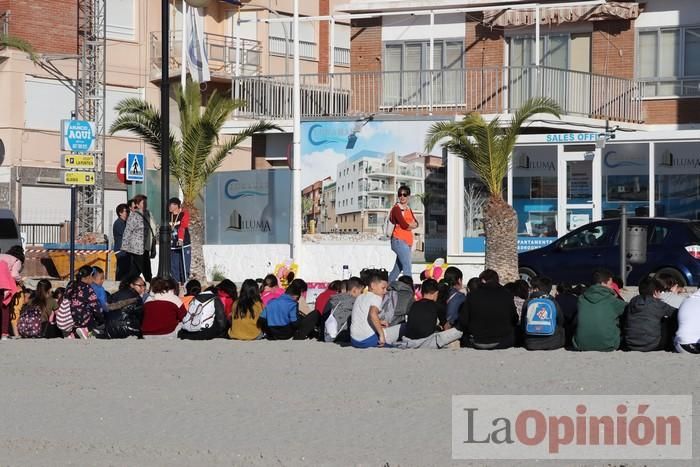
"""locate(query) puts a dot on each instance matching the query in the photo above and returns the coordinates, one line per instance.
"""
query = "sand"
(166, 402)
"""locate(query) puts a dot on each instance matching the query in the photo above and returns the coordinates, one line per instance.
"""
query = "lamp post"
(165, 231)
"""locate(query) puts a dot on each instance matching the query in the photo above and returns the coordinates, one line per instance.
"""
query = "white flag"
(196, 48)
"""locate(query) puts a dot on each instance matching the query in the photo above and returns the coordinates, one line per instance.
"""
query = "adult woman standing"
(404, 222)
(138, 240)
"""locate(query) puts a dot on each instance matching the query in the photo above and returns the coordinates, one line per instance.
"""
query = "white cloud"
(319, 165)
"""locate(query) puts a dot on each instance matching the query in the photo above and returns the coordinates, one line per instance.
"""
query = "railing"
(282, 46)
(671, 87)
(222, 54)
(341, 55)
(38, 234)
(4, 23)
(487, 90)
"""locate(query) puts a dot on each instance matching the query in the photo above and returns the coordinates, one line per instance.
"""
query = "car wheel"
(676, 274)
(527, 274)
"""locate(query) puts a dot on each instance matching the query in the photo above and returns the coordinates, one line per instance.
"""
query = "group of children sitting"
(368, 311)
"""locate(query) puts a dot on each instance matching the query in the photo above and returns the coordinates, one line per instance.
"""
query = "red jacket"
(322, 300)
(161, 317)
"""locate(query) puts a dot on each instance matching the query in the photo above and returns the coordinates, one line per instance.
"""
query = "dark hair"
(519, 288)
(408, 280)
(175, 201)
(131, 203)
(17, 251)
(453, 275)
(121, 208)
(269, 281)
(335, 286)
(140, 197)
(405, 189)
(601, 276)
(228, 287)
(343, 286)
(423, 275)
(297, 288)
(489, 276)
(429, 286)
(193, 287)
(58, 293)
(83, 272)
(542, 284)
(355, 283)
(41, 297)
(370, 276)
(648, 286)
(162, 285)
(473, 284)
(96, 271)
(667, 281)
(249, 296)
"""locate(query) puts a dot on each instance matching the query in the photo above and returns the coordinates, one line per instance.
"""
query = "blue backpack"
(541, 317)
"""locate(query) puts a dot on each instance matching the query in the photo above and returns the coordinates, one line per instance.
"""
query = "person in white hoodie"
(672, 293)
(687, 338)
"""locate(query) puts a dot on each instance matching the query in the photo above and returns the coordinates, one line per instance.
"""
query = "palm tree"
(487, 147)
(196, 152)
(19, 44)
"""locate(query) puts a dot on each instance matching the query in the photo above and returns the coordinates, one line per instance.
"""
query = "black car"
(673, 247)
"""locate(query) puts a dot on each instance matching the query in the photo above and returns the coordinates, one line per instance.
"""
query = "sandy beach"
(166, 402)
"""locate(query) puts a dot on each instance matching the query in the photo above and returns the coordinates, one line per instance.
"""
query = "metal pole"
(623, 245)
(73, 209)
(296, 159)
(237, 34)
(183, 54)
(164, 239)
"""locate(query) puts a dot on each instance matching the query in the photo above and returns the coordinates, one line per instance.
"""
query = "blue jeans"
(403, 259)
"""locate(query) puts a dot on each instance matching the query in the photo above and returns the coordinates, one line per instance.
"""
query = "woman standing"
(139, 239)
(404, 222)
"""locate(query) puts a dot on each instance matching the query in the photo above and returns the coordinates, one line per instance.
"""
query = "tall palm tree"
(19, 44)
(196, 151)
(487, 147)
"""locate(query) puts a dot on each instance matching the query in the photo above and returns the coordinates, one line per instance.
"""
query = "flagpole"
(296, 159)
(185, 45)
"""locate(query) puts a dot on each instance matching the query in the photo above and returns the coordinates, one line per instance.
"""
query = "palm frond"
(19, 44)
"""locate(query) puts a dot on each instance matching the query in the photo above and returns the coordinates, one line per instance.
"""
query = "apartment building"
(35, 97)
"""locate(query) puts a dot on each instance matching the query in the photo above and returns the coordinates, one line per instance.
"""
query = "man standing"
(181, 248)
(118, 234)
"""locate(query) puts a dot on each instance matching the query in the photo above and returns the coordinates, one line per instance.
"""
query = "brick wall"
(672, 111)
(612, 48)
(365, 55)
(485, 55)
(49, 25)
(323, 37)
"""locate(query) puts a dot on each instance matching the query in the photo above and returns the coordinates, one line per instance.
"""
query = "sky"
(323, 143)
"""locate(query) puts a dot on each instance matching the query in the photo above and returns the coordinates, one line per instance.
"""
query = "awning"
(615, 10)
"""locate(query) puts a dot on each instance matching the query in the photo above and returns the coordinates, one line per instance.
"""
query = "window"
(591, 237)
(668, 61)
(120, 19)
(341, 52)
(409, 81)
(281, 38)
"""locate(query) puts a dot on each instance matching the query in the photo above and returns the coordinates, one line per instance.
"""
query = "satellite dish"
(2, 152)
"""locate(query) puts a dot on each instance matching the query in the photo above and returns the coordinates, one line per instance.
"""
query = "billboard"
(248, 207)
(352, 169)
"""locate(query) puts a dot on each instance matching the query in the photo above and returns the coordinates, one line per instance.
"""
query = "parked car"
(673, 247)
(9, 230)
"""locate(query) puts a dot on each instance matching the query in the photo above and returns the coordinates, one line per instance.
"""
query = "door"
(579, 189)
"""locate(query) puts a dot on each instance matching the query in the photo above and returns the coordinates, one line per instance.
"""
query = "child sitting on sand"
(366, 330)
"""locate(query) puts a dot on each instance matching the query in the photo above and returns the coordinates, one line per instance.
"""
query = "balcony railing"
(4, 23)
(282, 46)
(222, 54)
(341, 55)
(38, 234)
(487, 90)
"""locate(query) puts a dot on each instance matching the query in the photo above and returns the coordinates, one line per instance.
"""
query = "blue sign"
(478, 244)
(135, 167)
(571, 138)
(78, 135)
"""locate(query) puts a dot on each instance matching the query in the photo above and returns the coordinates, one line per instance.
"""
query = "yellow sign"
(79, 178)
(78, 161)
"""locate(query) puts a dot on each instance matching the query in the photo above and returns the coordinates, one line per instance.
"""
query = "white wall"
(408, 27)
(669, 13)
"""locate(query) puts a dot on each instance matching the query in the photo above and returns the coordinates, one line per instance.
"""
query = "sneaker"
(82, 333)
(5, 337)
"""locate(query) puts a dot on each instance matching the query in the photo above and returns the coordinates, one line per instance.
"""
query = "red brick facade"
(485, 50)
(49, 25)
(612, 48)
(323, 37)
(680, 111)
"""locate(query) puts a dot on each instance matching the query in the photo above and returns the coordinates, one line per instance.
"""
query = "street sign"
(135, 167)
(78, 178)
(78, 161)
(121, 170)
(77, 135)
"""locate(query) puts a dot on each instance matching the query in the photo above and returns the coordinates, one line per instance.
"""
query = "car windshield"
(8, 229)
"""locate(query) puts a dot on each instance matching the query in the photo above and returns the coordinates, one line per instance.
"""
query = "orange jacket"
(402, 218)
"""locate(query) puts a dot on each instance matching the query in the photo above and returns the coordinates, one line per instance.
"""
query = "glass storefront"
(626, 179)
(678, 180)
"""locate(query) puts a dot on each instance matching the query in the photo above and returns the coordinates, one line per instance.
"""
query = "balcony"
(4, 23)
(221, 52)
(486, 90)
(284, 47)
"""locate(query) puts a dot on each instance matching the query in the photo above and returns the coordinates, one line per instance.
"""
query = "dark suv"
(673, 247)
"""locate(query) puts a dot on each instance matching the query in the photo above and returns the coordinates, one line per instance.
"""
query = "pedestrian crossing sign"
(135, 167)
